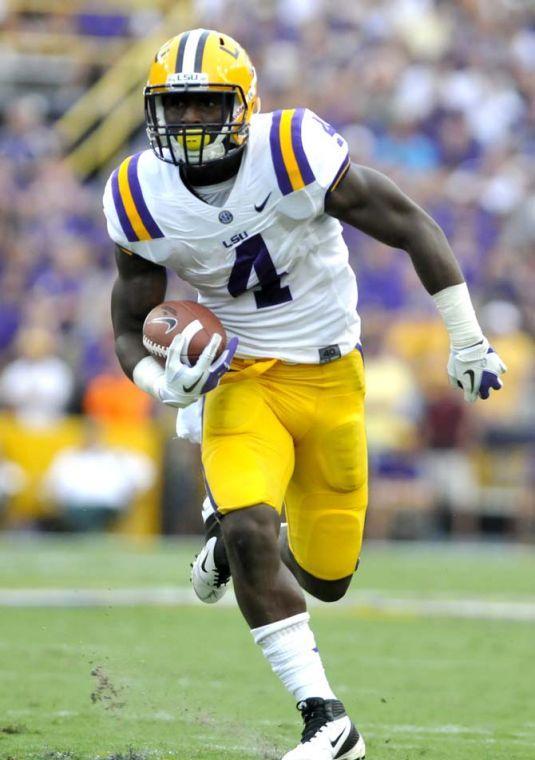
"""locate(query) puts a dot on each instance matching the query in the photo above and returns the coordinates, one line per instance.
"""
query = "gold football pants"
(293, 435)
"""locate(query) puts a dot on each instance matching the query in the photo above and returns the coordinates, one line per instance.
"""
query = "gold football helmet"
(200, 64)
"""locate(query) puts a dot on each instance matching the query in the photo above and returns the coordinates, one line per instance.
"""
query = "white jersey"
(270, 263)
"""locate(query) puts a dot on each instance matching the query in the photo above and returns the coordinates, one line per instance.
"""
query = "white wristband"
(455, 307)
(148, 375)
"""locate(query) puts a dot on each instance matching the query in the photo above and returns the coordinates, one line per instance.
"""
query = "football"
(172, 318)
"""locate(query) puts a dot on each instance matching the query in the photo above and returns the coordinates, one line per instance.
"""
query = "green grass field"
(185, 681)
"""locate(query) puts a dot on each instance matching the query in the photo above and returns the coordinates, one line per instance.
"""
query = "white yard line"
(448, 730)
(363, 603)
(399, 734)
(428, 606)
(378, 731)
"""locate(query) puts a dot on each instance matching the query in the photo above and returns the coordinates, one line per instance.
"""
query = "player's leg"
(248, 460)
(327, 496)
(272, 602)
(325, 508)
(211, 575)
(246, 451)
(324, 590)
(210, 571)
(265, 589)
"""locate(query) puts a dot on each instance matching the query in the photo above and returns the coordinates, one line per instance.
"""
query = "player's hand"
(476, 370)
(181, 384)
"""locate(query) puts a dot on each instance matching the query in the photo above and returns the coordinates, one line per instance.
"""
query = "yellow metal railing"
(44, 36)
(110, 111)
(81, 49)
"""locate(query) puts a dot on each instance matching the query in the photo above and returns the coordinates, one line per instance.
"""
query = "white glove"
(181, 385)
(476, 370)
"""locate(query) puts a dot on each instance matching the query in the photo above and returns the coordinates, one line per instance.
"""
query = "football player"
(246, 207)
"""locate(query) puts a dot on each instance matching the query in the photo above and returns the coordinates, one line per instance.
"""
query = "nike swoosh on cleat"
(188, 389)
(470, 373)
(203, 568)
(334, 742)
(262, 205)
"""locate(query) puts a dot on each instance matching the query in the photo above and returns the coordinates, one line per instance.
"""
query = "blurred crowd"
(438, 94)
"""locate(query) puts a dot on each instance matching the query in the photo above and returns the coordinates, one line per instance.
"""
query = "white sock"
(207, 509)
(290, 648)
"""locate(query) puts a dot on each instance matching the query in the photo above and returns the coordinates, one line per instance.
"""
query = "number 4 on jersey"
(253, 253)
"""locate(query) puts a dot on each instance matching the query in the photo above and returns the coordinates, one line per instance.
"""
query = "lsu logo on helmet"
(204, 64)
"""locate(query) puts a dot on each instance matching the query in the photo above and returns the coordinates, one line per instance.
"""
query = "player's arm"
(371, 202)
(139, 287)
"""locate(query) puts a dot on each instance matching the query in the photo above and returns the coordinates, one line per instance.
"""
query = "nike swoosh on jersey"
(470, 373)
(261, 206)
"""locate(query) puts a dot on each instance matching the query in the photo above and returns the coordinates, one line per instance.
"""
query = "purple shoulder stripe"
(137, 194)
(276, 154)
(121, 211)
(297, 144)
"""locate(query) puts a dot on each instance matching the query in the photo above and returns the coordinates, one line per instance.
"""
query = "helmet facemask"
(199, 143)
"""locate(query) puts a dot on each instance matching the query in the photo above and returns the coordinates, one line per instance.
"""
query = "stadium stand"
(438, 95)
